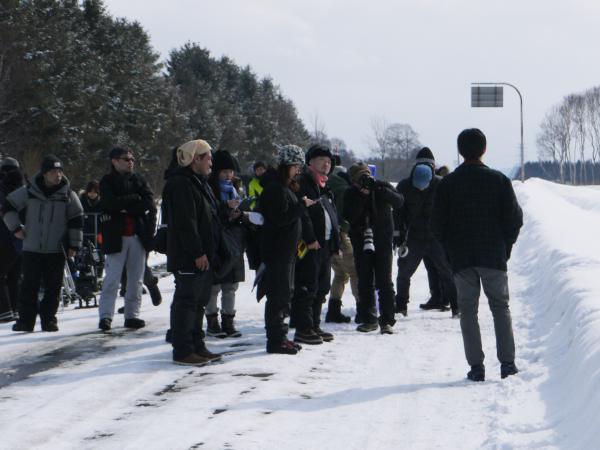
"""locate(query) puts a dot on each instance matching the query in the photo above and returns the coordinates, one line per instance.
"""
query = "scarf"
(227, 190)
(319, 178)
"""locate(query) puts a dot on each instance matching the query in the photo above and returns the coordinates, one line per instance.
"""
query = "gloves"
(396, 242)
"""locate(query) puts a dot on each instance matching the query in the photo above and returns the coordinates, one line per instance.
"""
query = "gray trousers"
(495, 285)
(227, 299)
(133, 258)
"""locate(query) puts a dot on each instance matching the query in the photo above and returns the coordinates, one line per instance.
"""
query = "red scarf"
(318, 177)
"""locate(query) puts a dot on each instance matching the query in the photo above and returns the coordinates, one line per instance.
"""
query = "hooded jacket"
(53, 220)
(415, 214)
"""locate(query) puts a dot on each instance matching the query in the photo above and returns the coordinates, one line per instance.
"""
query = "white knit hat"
(187, 151)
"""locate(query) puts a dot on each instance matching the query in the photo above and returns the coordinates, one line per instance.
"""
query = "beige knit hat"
(187, 151)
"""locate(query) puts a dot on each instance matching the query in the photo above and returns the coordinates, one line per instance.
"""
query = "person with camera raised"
(368, 208)
(320, 232)
(415, 238)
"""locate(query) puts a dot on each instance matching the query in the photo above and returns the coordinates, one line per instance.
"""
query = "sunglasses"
(127, 159)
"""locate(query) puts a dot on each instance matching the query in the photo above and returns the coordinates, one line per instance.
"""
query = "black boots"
(477, 373)
(508, 369)
(228, 326)
(213, 327)
(334, 312)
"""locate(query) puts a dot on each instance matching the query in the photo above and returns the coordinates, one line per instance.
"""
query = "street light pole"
(521, 104)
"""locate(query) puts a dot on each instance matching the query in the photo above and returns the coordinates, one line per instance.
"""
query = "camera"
(368, 244)
(367, 182)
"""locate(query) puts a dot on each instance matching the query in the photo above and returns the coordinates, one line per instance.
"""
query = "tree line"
(569, 140)
(76, 81)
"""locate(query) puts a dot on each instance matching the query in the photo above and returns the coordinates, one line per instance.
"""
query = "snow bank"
(558, 260)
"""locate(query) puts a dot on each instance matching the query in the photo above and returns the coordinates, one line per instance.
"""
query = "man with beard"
(190, 210)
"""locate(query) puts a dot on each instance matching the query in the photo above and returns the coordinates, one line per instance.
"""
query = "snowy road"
(82, 389)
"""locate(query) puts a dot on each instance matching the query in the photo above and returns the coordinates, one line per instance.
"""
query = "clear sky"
(348, 61)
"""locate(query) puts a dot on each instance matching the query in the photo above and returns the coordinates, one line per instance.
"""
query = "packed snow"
(80, 388)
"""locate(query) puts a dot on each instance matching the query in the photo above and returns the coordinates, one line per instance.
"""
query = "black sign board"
(487, 96)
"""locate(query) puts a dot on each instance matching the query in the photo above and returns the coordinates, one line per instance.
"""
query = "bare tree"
(379, 144)
(579, 132)
(592, 110)
(318, 135)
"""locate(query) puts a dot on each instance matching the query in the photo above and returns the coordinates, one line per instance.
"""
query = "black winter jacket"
(187, 209)
(376, 209)
(313, 220)
(282, 228)
(91, 211)
(415, 214)
(476, 217)
(121, 195)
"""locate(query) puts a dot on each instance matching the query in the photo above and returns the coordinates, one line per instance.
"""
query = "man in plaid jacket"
(477, 219)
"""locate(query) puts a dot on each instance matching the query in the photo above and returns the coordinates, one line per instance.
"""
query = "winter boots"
(155, 292)
(477, 373)
(508, 369)
(367, 327)
(134, 323)
(334, 312)
(308, 336)
(387, 329)
(433, 304)
(228, 326)
(221, 330)
(6, 312)
(105, 324)
(213, 327)
(285, 347)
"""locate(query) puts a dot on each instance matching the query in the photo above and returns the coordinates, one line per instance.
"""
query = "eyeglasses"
(127, 159)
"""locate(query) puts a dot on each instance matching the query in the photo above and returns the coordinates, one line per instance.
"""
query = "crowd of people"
(302, 219)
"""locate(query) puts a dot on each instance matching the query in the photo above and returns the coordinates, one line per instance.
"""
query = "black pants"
(311, 285)
(10, 274)
(279, 281)
(374, 271)
(38, 267)
(407, 266)
(192, 293)
(433, 278)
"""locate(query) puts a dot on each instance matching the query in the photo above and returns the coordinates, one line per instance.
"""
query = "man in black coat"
(11, 248)
(190, 213)
(477, 219)
(321, 234)
(127, 224)
(413, 225)
(368, 208)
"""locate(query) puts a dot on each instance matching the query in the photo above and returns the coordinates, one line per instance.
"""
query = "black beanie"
(49, 163)
(223, 160)
(425, 156)
(425, 153)
(317, 150)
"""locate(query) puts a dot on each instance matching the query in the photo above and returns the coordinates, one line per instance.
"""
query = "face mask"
(422, 176)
